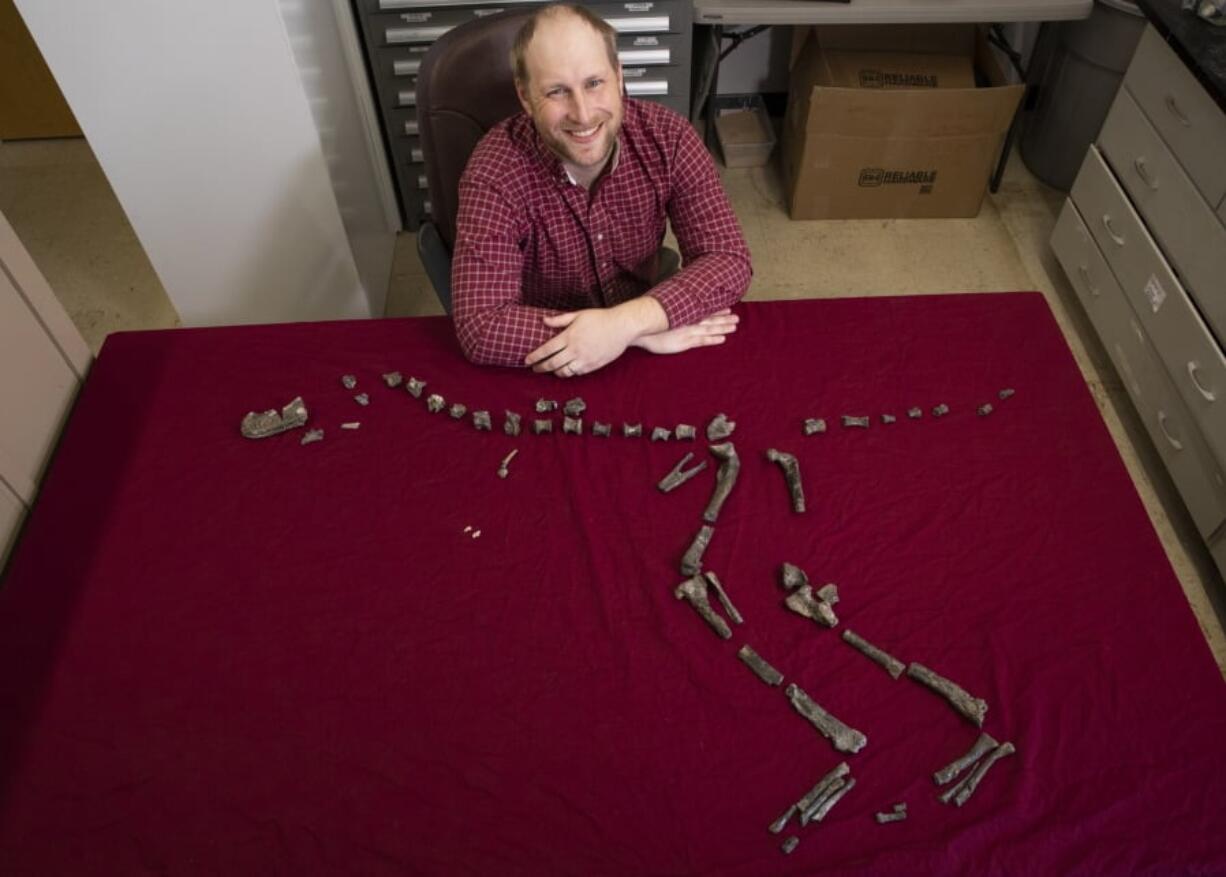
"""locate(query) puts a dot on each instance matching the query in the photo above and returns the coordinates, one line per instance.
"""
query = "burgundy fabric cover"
(220, 656)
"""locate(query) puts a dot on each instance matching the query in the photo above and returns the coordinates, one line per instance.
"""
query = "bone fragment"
(941, 410)
(458, 410)
(896, 816)
(694, 590)
(503, 469)
(828, 593)
(984, 744)
(685, 432)
(660, 434)
(393, 379)
(1006, 393)
(828, 803)
(691, 562)
(802, 602)
(720, 427)
(844, 738)
(892, 665)
(779, 824)
(262, 424)
(815, 425)
(972, 708)
(790, 844)
(348, 381)
(572, 425)
(967, 787)
(512, 424)
(792, 576)
(574, 407)
(714, 582)
(724, 480)
(353, 424)
(540, 427)
(544, 406)
(901, 807)
(601, 429)
(915, 413)
(414, 386)
(791, 473)
(985, 409)
(312, 436)
(763, 671)
(807, 814)
(632, 430)
(861, 422)
(678, 475)
(435, 403)
(362, 399)
(481, 421)
(888, 418)
(823, 787)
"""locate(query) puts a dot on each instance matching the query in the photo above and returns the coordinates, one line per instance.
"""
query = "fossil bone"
(972, 708)
(961, 793)
(691, 562)
(888, 418)
(685, 432)
(941, 410)
(861, 422)
(1006, 393)
(802, 602)
(818, 812)
(572, 425)
(660, 434)
(511, 425)
(349, 381)
(915, 413)
(632, 430)
(822, 788)
(503, 467)
(790, 844)
(393, 379)
(814, 425)
(544, 406)
(414, 387)
(720, 427)
(791, 473)
(724, 480)
(896, 816)
(362, 399)
(458, 410)
(601, 429)
(844, 738)
(828, 593)
(678, 475)
(312, 436)
(892, 665)
(714, 582)
(542, 426)
(985, 409)
(435, 403)
(262, 424)
(481, 421)
(351, 425)
(779, 824)
(792, 576)
(694, 591)
(984, 744)
(574, 407)
(762, 670)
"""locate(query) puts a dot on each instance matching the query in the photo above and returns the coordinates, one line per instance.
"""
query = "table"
(229, 656)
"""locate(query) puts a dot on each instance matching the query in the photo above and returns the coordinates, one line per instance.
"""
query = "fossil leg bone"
(691, 562)
(714, 582)
(694, 590)
(892, 665)
(678, 475)
(262, 424)
(844, 738)
(962, 792)
(762, 670)
(818, 813)
(791, 472)
(985, 743)
(823, 787)
(973, 708)
(724, 480)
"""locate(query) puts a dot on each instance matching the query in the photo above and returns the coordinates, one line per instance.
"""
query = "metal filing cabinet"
(1142, 238)
(654, 44)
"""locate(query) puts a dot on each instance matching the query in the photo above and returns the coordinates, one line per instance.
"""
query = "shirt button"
(600, 237)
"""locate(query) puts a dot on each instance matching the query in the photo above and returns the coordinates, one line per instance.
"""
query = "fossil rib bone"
(694, 591)
(720, 427)
(762, 670)
(262, 424)
(691, 562)
(985, 743)
(892, 665)
(818, 813)
(973, 708)
(791, 473)
(844, 738)
(724, 480)
(823, 788)
(678, 475)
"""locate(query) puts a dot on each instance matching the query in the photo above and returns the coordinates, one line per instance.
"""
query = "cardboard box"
(743, 127)
(860, 151)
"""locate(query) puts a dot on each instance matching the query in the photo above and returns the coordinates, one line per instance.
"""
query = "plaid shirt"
(529, 242)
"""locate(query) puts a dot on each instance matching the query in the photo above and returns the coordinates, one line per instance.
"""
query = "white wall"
(198, 116)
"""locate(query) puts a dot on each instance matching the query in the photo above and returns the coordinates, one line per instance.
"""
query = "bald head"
(554, 23)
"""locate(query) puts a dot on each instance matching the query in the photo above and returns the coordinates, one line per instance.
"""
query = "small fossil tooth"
(511, 425)
(660, 434)
(815, 425)
(414, 387)
(632, 430)
(860, 422)
(574, 407)
(503, 467)
(685, 432)
(601, 429)
(458, 410)
(312, 435)
(941, 410)
(435, 403)
(539, 427)
(985, 409)
(262, 424)
(544, 406)
(482, 422)
(762, 670)
(362, 399)
(720, 428)
(349, 381)
(393, 379)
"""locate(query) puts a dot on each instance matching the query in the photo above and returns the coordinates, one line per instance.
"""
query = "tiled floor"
(57, 199)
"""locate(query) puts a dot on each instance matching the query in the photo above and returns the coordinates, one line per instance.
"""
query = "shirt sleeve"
(717, 266)
(493, 325)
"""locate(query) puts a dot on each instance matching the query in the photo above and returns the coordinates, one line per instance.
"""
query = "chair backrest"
(464, 88)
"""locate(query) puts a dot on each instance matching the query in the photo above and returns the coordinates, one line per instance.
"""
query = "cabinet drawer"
(1184, 225)
(1086, 268)
(1188, 119)
(1192, 357)
(1218, 549)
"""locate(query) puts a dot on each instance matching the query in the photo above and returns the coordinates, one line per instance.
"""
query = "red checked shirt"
(529, 242)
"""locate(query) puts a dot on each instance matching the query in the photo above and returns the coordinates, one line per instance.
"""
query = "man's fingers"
(558, 321)
(545, 351)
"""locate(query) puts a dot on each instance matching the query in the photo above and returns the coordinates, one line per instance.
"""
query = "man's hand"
(715, 329)
(592, 338)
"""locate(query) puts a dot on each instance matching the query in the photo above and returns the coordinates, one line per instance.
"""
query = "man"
(562, 214)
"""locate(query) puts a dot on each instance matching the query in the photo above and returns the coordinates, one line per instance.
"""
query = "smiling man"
(563, 210)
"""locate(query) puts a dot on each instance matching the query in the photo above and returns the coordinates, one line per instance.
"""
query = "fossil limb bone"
(792, 576)
(458, 410)
(802, 602)
(572, 425)
(685, 432)
(720, 428)
(815, 425)
(861, 422)
(660, 434)
(791, 472)
(678, 475)
(818, 812)
(779, 824)
(262, 424)
(393, 379)
(435, 403)
(632, 430)
(511, 425)
(694, 590)
(414, 387)
(790, 844)
(362, 399)
(691, 562)
(892, 665)
(844, 738)
(822, 788)
(941, 410)
(961, 793)
(542, 426)
(601, 429)
(574, 407)
(503, 467)
(984, 744)
(767, 674)
(312, 436)
(714, 582)
(348, 381)
(972, 708)
(724, 480)
(544, 406)
(481, 421)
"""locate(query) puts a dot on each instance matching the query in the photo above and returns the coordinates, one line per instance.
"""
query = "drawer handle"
(1177, 112)
(1085, 275)
(1175, 443)
(1193, 371)
(1144, 174)
(1115, 236)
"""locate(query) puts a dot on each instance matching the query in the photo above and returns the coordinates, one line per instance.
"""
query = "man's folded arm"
(493, 326)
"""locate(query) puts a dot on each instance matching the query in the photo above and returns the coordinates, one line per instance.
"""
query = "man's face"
(573, 94)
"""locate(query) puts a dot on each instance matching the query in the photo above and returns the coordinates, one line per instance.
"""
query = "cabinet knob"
(1193, 373)
(1177, 112)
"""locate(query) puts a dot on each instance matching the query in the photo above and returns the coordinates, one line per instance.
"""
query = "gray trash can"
(1074, 74)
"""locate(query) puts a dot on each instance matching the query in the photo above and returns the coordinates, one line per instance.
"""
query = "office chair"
(464, 88)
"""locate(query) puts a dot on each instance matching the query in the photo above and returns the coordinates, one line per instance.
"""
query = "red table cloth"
(224, 656)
